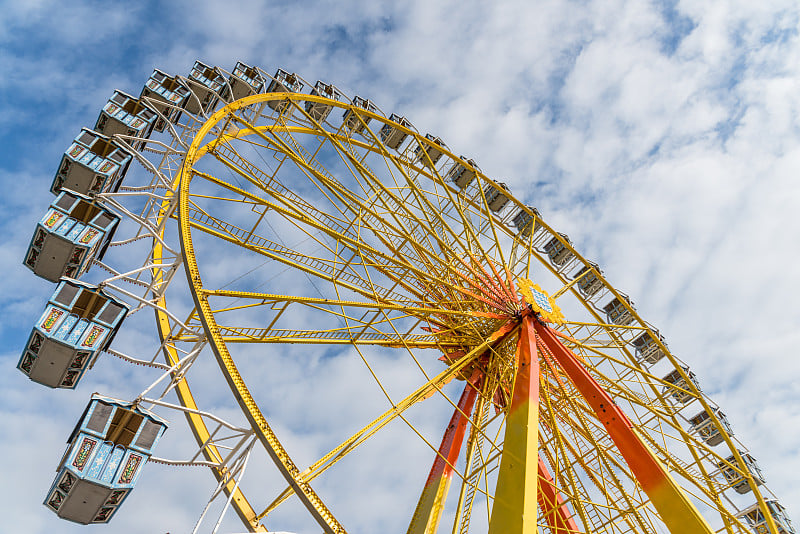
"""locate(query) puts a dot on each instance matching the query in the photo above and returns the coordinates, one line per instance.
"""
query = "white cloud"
(677, 171)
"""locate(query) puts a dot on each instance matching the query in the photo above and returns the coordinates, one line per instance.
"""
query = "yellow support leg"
(515, 499)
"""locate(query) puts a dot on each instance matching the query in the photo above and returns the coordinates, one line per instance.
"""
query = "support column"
(552, 504)
(431, 502)
(676, 510)
(514, 509)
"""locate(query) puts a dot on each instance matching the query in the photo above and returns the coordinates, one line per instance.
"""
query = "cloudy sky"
(662, 136)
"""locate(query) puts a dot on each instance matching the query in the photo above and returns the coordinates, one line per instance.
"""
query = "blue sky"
(663, 137)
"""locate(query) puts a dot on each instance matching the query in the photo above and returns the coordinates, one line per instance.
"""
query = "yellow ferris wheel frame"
(298, 480)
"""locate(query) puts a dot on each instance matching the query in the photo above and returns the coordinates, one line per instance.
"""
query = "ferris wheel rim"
(190, 260)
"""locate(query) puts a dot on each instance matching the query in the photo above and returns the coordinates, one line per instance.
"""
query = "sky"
(662, 136)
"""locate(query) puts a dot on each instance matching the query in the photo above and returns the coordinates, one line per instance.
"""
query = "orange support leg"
(514, 509)
(552, 504)
(431, 502)
(676, 510)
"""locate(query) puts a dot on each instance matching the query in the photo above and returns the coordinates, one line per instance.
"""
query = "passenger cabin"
(647, 349)
(78, 323)
(319, 111)
(104, 458)
(527, 223)
(92, 164)
(756, 519)
(283, 82)
(588, 281)
(557, 251)
(680, 390)
(126, 115)
(356, 122)
(734, 475)
(392, 136)
(207, 85)
(462, 175)
(166, 95)
(245, 81)
(617, 312)
(427, 153)
(73, 232)
(496, 198)
(705, 428)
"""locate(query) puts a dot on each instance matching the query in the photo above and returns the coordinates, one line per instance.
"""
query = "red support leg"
(676, 510)
(431, 502)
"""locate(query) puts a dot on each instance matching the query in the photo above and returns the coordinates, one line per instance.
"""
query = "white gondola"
(525, 222)
(206, 84)
(319, 111)
(78, 323)
(392, 136)
(125, 115)
(617, 312)
(756, 519)
(647, 350)
(557, 251)
(283, 82)
(704, 426)
(245, 81)
(73, 232)
(680, 392)
(427, 153)
(588, 282)
(167, 95)
(92, 164)
(736, 478)
(104, 458)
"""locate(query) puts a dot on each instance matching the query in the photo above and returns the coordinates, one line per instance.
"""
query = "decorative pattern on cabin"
(51, 319)
(54, 217)
(27, 362)
(94, 333)
(67, 481)
(83, 453)
(80, 360)
(56, 500)
(130, 469)
(36, 342)
(87, 237)
(103, 514)
(116, 497)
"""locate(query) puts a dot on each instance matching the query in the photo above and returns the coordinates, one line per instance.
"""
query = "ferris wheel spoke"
(425, 391)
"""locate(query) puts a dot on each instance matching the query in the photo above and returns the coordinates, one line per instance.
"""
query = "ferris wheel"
(311, 226)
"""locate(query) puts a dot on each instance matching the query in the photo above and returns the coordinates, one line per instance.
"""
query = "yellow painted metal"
(423, 255)
(514, 510)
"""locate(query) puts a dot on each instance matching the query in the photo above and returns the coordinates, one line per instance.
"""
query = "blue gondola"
(104, 457)
(462, 175)
(357, 122)
(428, 154)
(647, 350)
(78, 323)
(126, 115)
(73, 232)
(319, 111)
(496, 198)
(617, 312)
(755, 518)
(392, 136)
(208, 85)
(167, 95)
(245, 81)
(283, 82)
(736, 478)
(92, 164)
(703, 425)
